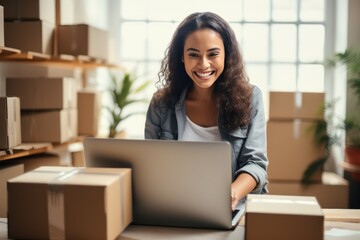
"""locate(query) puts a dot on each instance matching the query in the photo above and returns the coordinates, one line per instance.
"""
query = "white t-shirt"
(194, 132)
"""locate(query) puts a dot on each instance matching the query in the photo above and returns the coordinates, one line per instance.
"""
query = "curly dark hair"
(232, 88)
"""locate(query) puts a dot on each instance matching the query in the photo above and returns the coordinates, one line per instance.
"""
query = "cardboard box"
(7, 172)
(89, 107)
(39, 160)
(29, 10)
(332, 192)
(38, 34)
(73, 203)
(2, 44)
(10, 122)
(283, 217)
(83, 39)
(291, 149)
(291, 105)
(43, 93)
(32, 69)
(55, 126)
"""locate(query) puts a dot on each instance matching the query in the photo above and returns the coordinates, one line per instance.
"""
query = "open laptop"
(175, 183)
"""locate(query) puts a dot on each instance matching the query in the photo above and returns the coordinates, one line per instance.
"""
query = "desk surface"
(340, 224)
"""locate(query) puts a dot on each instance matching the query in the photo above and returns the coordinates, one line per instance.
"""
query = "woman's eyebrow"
(209, 50)
(193, 49)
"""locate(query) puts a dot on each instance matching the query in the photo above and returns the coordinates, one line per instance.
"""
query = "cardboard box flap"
(70, 176)
(278, 204)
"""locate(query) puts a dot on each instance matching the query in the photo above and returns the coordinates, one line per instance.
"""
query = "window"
(282, 41)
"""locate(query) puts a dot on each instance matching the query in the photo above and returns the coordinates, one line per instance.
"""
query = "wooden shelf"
(12, 54)
(27, 149)
(7, 52)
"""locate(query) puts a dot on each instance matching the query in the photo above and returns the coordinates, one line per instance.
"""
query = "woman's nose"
(204, 63)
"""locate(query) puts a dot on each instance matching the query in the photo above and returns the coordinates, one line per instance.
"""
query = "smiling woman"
(273, 62)
(205, 95)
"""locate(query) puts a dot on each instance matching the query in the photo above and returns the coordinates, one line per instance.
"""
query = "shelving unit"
(28, 149)
(12, 54)
(25, 149)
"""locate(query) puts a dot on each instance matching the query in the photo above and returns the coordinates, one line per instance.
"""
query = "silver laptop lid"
(175, 183)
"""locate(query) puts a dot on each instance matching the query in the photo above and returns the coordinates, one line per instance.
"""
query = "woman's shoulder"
(255, 90)
(161, 99)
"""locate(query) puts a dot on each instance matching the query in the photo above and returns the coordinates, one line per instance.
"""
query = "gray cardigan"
(167, 121)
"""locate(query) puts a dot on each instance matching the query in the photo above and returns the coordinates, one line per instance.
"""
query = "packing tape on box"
(298, 100)
(56, 209)
(56, 206)
(297, 128)
(283, 201)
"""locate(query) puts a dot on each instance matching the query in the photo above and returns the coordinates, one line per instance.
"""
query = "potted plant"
(351, 125)
(124, 92)
(326, 132)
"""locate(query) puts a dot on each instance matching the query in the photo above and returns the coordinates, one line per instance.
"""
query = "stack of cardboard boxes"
(48, 108)
(292, 148)
(29, 25)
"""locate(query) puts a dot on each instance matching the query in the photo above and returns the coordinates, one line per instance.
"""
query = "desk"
(340, 224)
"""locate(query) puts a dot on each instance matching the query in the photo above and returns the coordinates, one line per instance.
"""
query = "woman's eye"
(193, 54)
(213, 54)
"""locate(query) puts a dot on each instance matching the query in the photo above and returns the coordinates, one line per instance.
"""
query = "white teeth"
(204, 74)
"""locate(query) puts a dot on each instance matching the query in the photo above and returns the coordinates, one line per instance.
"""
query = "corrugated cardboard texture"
(2, 44)
(291, 105)
(38, 35)
(291, 149)
(7, 172)
(97, 205)
(283, 217)
(83, 39)
(43, 93)
(332, 192)
(39, 160)
(89, 107)
(56, 126)
(29, 10)
(10, 120)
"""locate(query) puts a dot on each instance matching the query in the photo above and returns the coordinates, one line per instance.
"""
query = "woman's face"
(204, 57)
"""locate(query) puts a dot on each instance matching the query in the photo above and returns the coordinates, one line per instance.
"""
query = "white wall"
(92, 12)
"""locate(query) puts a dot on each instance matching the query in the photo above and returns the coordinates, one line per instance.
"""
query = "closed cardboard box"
(43, 93)
(29, 10)
(55, 126)
(10, 122)
(38, 35)
(291, 149)
(283, 217)
(2, 44)
(89, 107)
(7, 172)
(70, 203)
(83, 39)
(332, 192)
(296, 105)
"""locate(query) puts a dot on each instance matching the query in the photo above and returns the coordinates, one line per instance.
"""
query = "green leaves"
(123, 94)
(312, 168)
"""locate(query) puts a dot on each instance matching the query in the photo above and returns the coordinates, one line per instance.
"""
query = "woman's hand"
(242, 185)
(234, 200)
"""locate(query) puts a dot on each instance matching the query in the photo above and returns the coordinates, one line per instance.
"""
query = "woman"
(204, 95)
